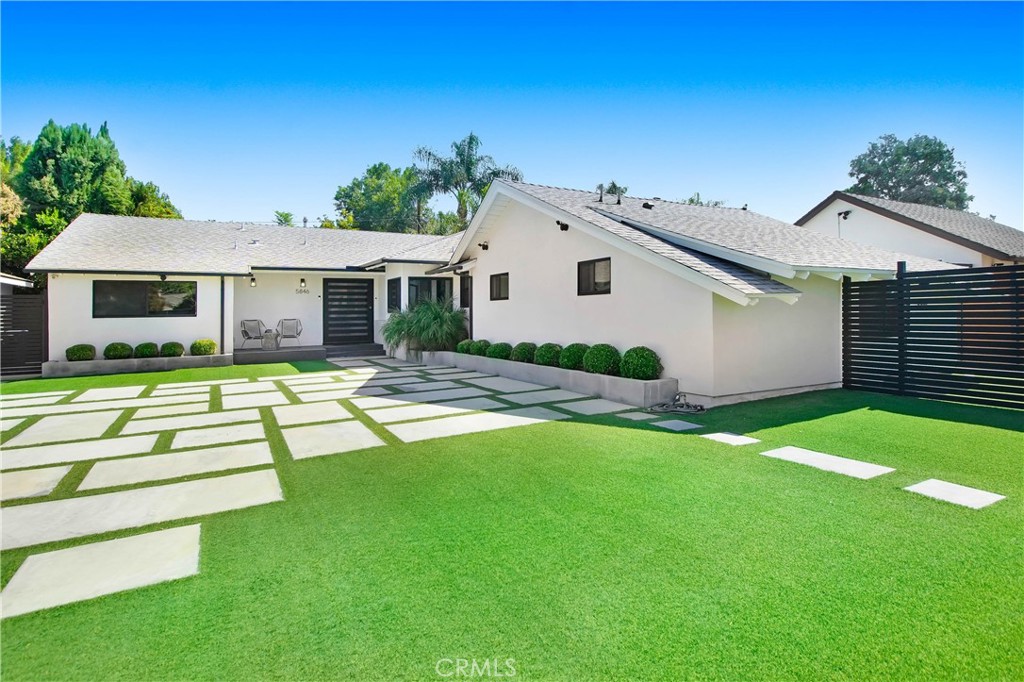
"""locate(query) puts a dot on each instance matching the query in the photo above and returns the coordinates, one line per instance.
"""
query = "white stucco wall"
(647, 305)
(775, 346)
(71, 320)
(867, 227)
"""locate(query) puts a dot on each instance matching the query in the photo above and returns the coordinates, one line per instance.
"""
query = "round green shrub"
(172, 349)
(572, 356)
(602, 359)
(500, 351)
(117, 351)
(463, 346)
(479, 347)
(548, 354)
(146, 350)
(80, 352)
(524, 352)
(640, 362)
(203, 347)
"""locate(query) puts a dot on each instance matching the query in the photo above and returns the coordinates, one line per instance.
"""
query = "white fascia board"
(626, 246)
(477, 222)
(753, 262)
(855, 274)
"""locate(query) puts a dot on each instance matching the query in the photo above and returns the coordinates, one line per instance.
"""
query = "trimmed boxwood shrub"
(172, 349)
(572, 356)
(203, 347)
(463, 346)
(479, 347)
(117, 351)
(80, 352)
(524, 352)
(640, 362)
(602, 359)
(146, 350)
(500, 351)
(548, 354)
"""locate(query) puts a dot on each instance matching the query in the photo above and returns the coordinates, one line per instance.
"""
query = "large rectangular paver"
(539, 413)
(505, 385)
(204, 390)
(371, 403)
(171, 410)
(677, 425)
(955, 494)
(410, 412)
(33, 524)
(71, 408)
(64, 428)
(8, 424)
(537, 397)
(75, 574)
(819, 460)
(343, 393)
(35, 394)
(595, 406)
(234, 433)
(290, 415)
(134, 470)
(31, 400)
(730, 438)
(476, 404)
(116, 393)
(212, 382)
(250, 387)
(15, 485)
(81, 451)
(189, 421)
(235, 402)
(426, 386)
(329, 439)
(435, 396)
(457, 426)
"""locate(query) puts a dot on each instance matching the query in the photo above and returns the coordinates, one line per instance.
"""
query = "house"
(944, 234)
(122, 278)
(738, 305)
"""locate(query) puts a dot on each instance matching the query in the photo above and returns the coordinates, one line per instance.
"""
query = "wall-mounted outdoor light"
(252, 281)
(302, 282)
(484, 245)
(564, 227)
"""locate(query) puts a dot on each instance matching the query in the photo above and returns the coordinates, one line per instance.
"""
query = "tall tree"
(382, 200)
(284, 218)
(615, 188)
(466, 174)
(148, 201)
(11, 206)
(920, 170)
(12, 157)
(696, 200)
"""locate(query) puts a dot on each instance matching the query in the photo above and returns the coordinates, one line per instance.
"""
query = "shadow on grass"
(312, 365)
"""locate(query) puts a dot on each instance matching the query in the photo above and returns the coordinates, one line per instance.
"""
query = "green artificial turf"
(594, 549)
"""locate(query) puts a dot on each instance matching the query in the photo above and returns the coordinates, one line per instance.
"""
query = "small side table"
(271, 340)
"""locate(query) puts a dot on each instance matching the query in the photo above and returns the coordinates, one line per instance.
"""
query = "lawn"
(589, 549)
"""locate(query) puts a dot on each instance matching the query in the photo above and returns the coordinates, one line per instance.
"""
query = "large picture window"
(429, 289)
(499, 287)
(594, 277)
(122, 298)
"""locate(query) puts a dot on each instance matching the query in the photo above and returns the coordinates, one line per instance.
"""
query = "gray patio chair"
(289, 328)
(252, 330)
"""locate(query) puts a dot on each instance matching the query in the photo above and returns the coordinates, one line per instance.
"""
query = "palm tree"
(466, 174)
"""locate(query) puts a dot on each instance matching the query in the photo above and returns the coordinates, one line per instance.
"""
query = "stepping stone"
(65, 428)
(443, 370)
(596, 406)
(395, 362)
(328, 439)
(457, 426)
(539, 413)
(476, 404)
(290, 415)
(820, 460)
(76, 574)
(677, 425)
(397, 378)
(427, 386)
(731, 438)
(342, 393)
(30, 400)
(189, 421)
(373, 403)
(363, 370)
(287, 377)
(32, 524)
(234, 402)
(505, 385)
(435, 396)
(31, 482)
(170, 410)
(954, 493)
(81, 451)
(8, 424)
(204, 390)
(636, 416)
(134, 470)
(110, 393)
(410, 412)
(214, 382)
(253, 387)
(302, 381)
(549, 396)
(216, 435)
(71, 408)
(42, 394)
(466, 375)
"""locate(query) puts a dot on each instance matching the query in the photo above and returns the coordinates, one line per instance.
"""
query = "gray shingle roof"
(103, 243)
(437, 251)
(580, 204)
(967, 226)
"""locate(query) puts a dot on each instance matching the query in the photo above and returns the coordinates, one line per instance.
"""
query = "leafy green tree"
(466, 174)
(148, 201)
(615, 188)
(444, 222)
(920, 170)
(696, 200)
(284, 218)
(382, 200)
(11, 206)
(12, 158)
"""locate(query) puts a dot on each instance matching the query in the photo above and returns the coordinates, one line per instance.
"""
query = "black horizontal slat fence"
(948, 334)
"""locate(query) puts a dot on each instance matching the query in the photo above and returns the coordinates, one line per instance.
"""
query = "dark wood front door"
(348, 311)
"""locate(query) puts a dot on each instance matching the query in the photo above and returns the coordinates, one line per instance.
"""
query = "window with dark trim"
(465, 291)
(499, 287)
(124, 298)
(429, 289)
(594, 277)
(394, 293)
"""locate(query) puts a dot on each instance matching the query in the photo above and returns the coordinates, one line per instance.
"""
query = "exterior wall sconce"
(484, 246)
(564, 227)
(252, 281)
(163, 278)
(302, 282)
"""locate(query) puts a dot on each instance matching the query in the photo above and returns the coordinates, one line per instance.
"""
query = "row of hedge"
(118, 350)
(639, 362)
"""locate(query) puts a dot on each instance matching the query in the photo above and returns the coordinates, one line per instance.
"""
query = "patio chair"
(289, 328)
(252, 330)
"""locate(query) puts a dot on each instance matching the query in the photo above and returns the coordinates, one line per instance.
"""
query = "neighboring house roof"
(15, 281)
(104, 243)
(961, 227)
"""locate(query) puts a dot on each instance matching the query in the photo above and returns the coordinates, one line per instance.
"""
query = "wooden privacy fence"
(948, 334)
(22, 333)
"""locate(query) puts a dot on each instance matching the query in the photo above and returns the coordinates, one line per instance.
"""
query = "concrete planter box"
(131, 365)
(630, 391)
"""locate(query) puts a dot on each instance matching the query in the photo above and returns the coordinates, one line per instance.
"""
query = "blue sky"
(239, 109)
